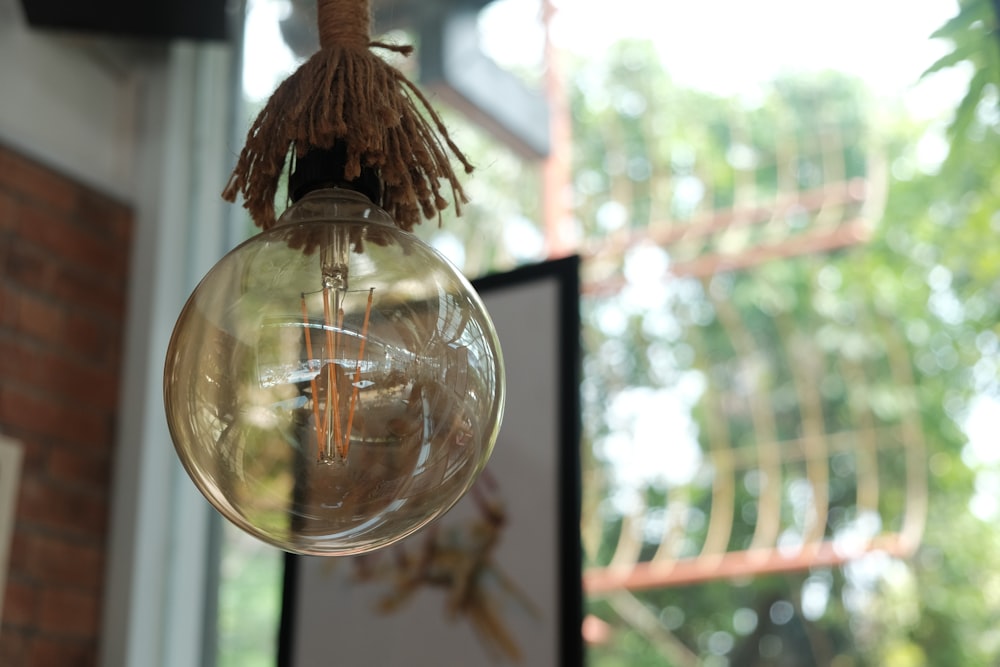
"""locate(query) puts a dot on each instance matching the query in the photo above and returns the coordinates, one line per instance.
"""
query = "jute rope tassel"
(345, 92)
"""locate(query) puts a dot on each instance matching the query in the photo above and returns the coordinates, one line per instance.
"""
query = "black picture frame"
(536, 312)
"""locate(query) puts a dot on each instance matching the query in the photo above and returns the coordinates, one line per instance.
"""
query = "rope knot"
(347, 95)
(344, 24)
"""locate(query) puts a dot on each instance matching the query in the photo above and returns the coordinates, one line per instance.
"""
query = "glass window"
(791, 323)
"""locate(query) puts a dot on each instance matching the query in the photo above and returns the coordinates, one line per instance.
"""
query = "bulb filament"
(333, 429)
(356, 383)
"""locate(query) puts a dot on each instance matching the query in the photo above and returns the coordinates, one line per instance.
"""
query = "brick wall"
(63, 272)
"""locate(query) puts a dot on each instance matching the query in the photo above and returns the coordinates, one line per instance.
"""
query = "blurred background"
(787, 216)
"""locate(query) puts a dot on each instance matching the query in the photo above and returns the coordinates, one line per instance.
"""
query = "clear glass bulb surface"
(333, 384)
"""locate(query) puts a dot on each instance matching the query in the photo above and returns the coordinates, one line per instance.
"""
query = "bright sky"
(266, 60)
(731, 46)
(725, 46)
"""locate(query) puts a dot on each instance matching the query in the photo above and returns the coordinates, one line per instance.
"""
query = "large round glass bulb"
(333, 384)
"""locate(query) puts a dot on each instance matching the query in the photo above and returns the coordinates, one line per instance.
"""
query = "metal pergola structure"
(843, 211)
(754, 231)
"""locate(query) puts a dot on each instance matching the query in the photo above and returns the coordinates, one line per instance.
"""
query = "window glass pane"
(791, 328)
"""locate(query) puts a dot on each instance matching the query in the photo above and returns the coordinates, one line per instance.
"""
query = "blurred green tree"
(926, 282)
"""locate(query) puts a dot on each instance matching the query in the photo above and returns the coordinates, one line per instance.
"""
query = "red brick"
(10, 305)
(8, 213)
(34, 182)
(34, 453)
(28, 267)
(69, 510)
(86, 469)
(63, 276)
(124, 225)
(69, 613)
(112, 219)
(20, 603)
(21, 546)
(80, 288)
(62, 562)
(24, 548)
(46, 417)
(41, 557)
(47, 652)
(13, 647)
(62, 238)
(99, 295)
(39, 318)
(78, 381)
(9, 350)
(34, 448)
(59, 375)
(93, 338)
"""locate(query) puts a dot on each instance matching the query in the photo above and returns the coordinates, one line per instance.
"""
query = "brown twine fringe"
(347, 92)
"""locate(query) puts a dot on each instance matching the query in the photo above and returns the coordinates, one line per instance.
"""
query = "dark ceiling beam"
(173, 19)
(454, 67)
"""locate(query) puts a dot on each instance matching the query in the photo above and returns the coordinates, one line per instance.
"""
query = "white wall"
(150, 125)
(70, 102)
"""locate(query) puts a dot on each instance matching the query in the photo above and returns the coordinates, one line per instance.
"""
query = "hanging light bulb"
(333, 384)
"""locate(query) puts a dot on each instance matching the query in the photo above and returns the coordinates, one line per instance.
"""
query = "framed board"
(10, 475)
(500, 577)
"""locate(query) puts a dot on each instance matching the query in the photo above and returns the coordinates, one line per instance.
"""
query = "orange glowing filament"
(326, 405)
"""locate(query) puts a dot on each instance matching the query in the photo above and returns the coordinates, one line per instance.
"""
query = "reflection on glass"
(333, 384)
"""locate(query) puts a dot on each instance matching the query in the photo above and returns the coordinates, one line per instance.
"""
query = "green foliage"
(903, 329)
(975, 37)
(249, 602)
